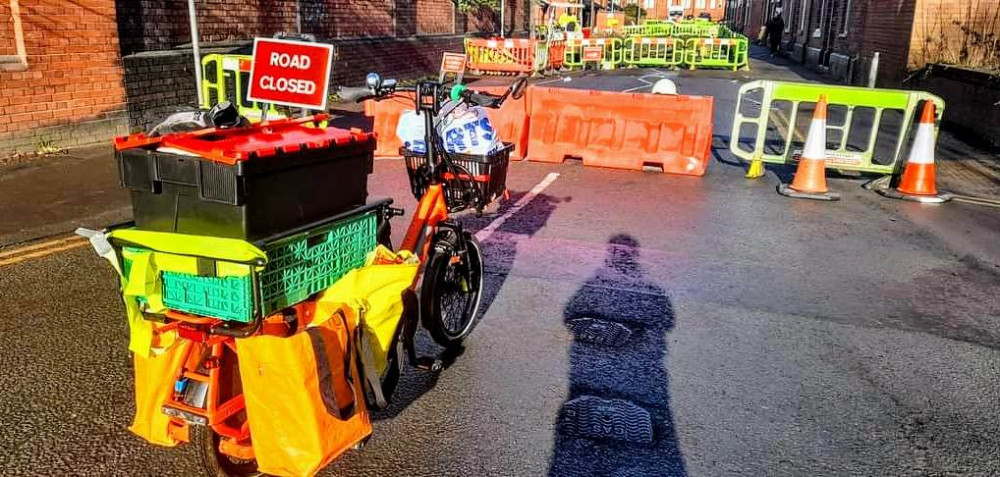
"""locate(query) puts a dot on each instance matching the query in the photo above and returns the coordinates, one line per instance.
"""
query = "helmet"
(665, 86)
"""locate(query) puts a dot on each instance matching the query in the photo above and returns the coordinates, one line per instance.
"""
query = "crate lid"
(233, 145)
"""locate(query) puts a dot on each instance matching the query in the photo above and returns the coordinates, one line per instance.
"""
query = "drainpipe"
(193, 14)
(873, 71)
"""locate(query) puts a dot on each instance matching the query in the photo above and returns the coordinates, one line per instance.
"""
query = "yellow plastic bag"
(150, 253)
(153, 384)
(303, 395)
(375, 291)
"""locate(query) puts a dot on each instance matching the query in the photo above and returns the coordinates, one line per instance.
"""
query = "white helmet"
(665, 86)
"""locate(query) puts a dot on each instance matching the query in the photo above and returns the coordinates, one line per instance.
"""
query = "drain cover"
(599, 332)
(612, 419)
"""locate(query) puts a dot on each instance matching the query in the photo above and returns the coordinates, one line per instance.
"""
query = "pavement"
(763, 335)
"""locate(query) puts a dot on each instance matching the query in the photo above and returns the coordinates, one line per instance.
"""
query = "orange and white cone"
(918, 182)
(810, 177)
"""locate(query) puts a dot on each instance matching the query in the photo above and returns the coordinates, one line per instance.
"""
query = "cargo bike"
(223, 295)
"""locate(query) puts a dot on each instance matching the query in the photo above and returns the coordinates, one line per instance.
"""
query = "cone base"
(787, 191)
(923, 199)
(756, 170)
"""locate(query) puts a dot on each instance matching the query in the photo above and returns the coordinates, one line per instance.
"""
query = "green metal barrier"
(657, 29)
(611, 52)
(657, 52)
(869, 128)
(732, 53)
(695, 30)
(225, 78)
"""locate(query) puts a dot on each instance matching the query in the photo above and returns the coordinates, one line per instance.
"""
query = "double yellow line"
(41, 249)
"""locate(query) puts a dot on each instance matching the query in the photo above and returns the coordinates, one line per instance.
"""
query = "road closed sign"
(290, 73)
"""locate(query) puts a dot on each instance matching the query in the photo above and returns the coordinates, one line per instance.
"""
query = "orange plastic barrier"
(385, 116)
(621, 130)
(502, 56)
(510, 121)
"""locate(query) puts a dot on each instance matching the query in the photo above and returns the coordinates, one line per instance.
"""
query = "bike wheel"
(215, 462)
(452, 289)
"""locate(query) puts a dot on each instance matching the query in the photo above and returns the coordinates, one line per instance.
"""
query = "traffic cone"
(918, 182)
(810, 177)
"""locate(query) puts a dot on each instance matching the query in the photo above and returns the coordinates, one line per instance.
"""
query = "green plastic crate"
(298, 267)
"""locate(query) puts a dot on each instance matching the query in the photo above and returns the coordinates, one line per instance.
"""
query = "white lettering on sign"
(287, 85)
(284, 60)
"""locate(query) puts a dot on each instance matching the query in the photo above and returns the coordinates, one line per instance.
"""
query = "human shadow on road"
(616, 420)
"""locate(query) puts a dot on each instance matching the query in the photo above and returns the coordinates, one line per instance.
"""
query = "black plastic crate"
(251, 198)
(485, 174)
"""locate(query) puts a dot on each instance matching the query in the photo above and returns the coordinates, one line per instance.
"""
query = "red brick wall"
(946, 31)
(74, 75)
(887, 29)
(7, 44)
(435, 17)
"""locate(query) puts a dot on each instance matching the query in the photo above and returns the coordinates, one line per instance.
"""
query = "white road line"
(485, 233)
(645, 84)
(555, 80)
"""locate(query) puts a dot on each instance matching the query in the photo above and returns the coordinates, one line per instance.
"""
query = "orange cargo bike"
(218, 381)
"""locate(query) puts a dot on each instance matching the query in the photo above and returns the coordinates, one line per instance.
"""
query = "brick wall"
(71, 92)
(949, 31)
(160, 83)
(887, 29)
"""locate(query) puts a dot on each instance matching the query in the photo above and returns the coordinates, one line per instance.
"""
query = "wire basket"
(474, 182)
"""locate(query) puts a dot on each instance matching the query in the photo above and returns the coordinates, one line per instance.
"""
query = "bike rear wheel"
(451, 291)
(216, 463)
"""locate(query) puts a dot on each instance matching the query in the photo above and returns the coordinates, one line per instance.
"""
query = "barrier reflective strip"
(503, 57)
(862, 154)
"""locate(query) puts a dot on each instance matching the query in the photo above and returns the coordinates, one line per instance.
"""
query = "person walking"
(775, 28)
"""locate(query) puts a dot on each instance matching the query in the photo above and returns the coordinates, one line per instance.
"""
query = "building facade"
(60, 74)
(663, 9)
(76, 72)
(841, 37)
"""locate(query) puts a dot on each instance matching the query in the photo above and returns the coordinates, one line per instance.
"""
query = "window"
(700, 4)
(713, 4)
(845, 16)
(649, 4)
(822, 18)
(802, 16)
(687, 3)
(12, 53)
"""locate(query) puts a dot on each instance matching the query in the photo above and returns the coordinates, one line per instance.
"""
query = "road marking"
(645, 84)
(18, 255)
(555, 80)
(485, 233)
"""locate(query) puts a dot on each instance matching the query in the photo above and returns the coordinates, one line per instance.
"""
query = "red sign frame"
(592, 53)
(453, 63)
(291, 73)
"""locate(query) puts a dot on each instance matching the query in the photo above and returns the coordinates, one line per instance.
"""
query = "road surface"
(765, 336)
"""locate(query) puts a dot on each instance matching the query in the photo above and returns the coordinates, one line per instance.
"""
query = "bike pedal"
(429, 363)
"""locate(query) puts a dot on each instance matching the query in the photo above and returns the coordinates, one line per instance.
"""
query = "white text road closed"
(290, 73)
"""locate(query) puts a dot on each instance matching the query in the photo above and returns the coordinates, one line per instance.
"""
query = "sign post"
(290, 73)
(452, 63)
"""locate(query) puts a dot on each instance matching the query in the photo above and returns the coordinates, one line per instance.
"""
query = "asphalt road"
(765, 336)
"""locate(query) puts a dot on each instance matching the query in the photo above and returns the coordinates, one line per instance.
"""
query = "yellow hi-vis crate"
(868, 129)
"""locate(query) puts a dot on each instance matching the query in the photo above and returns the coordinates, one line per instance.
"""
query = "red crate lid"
(230, 146)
